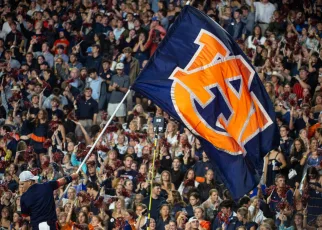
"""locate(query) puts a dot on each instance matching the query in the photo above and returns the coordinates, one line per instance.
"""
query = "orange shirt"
(312, 130)
(205, 224)
(68, 226)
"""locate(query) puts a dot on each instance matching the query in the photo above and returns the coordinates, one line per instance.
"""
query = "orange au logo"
(212, 66)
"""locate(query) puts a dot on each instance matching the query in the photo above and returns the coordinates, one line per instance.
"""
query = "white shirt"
(264, 12)
(250, 42)
(259, 216)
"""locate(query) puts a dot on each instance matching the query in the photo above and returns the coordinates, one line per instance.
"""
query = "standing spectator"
(264, 12)
(156, 34)
(131, 69)
(237, 28)
(86, 111)
(119, 86)
(98, 87)
(248, 18)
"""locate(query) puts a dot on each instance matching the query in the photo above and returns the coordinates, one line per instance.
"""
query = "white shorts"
(120, 113)
(43, 226)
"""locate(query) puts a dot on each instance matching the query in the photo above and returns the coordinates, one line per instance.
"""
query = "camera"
(159, 125)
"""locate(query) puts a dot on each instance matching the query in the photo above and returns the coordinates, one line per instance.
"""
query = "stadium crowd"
(66, 65)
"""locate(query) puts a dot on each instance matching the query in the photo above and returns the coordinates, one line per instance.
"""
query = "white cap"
(26, 176)
(192, 219)
(119, 66)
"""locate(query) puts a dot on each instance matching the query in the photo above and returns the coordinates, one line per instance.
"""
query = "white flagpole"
(97, 139)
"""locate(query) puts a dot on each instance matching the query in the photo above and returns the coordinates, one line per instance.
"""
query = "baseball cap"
(89, 50)
(26, 176)
(155, 18)
(119, 66)
(192, 219)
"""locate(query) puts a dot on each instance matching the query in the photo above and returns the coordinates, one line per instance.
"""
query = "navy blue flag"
(200, 76)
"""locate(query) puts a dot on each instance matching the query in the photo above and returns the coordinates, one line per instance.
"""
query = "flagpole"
(97, 139)
(152, 176)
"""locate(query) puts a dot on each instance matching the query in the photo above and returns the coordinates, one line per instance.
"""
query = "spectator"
(157, 201)
(119, 86)
(237, 28)
(264, 11)
(86, 111)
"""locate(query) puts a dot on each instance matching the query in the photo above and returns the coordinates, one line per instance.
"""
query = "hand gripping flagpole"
(97, 139)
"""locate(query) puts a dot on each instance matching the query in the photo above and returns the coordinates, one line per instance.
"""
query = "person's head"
(92, 73)
(143, 169)
(71, 193)
(312, 174)
(257, 31)
(26, 180)
(119, 68)
(298, 219)
(198, 212)
(280, 181)
(314, 144)
(190, 174)
(237, 14)
(194, 222)
(128, 160)
(140, 208)
(209, 175)
(112, 154)
(194, 199)
(165, 210)
(92, 189)
(265, 226)
(128, 185)
(91, 166)
(213, 194)
(242, 214)
(106, 64)
(96, 48)
(5, 212)
(245, 10)
(82, 218)
(17, 217)
(62, 216)
(319, 221)
(152, 224)
(226, 207)
(172, 225)
(120, 204)
(156, 189)
(304, 73)
(284, 131)
(96, 221)
(54, 102)
(303, 134)
(165, 177)
(88, 92)
(176, 163)
(244, 202)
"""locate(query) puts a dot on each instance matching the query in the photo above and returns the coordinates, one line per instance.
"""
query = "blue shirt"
(38, 203)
